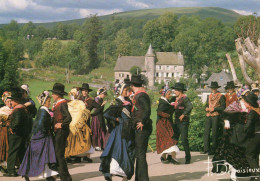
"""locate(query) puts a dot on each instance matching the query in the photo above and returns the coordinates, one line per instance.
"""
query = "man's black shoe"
(87, 159)
(11, 174)
(77, 160)
(187, 162)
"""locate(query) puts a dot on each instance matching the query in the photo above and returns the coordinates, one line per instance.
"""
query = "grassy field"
(40, 80)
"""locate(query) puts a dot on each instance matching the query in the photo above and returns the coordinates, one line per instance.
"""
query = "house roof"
(169, 58)
(125, 63)
(222, 78)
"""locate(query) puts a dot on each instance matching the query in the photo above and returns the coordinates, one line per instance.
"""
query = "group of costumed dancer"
(73, 129)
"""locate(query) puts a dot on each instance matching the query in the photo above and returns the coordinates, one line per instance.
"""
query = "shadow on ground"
(83, 176)
(179, 176)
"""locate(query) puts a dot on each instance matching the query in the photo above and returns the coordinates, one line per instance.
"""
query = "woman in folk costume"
(98, 126)
(4, 114)
(165, 142)
(118, 156)
(40, 159)
(252, 130)
(233, 142)
(79, 139)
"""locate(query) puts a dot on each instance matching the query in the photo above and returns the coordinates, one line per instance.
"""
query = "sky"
(39, 11)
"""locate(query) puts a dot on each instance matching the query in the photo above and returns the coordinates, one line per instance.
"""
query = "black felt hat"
(85, 86)
(214, 85)
(16, 93)
(136, 80)
(126, 81)
(251, 99)
(179, 86)
(230, 84)
(58, 88)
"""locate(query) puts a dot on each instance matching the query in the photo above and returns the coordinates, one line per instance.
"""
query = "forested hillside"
(99, 40)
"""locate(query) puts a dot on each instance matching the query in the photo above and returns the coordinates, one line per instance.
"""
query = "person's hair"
(59, 95)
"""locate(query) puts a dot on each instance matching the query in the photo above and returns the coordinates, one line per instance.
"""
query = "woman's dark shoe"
(50, 179)
(26, 178)
(14, 174)
(164, 161)
(3, 170)
(88, 159)
(173, 161)
(108, 178)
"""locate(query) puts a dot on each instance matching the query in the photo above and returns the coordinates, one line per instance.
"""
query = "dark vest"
(57, 115)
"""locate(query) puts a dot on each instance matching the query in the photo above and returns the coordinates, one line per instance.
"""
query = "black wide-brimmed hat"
(179, 86)
(136, 80)
(126, 81)
(214, 85)
(16, 93)
(251, 99)
(58, 88)
(85, 86)
(230, 84)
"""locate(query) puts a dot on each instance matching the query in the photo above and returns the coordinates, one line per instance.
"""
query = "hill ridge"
(225, 15)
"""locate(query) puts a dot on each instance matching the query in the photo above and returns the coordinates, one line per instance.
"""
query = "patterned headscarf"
(242, 91)
(43, 97)
(5, 95)
(26, 88)
(123, 86)
(74, 93)
(102, 90)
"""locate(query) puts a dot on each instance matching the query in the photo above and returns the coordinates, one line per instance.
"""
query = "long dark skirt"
(99, 136)
(119, 149)
(164, 135)
(232, 154)
(39, 152)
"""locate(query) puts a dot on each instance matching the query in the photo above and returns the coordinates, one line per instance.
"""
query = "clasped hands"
(209, 109)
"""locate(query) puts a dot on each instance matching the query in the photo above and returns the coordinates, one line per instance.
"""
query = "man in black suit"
(183, 107)
(19, 131)
(141, 112)
(62, 119)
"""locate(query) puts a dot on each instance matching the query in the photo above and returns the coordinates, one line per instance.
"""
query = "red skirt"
(164, 134)
(3, 144)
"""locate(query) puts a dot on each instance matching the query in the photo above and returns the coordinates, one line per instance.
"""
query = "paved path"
(197, 170)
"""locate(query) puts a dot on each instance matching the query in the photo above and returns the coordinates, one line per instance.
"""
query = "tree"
(61, 32)
(10, 76)
(93, 30)
(27, 29)
(248, 26)
(2, 62)
(135, 70)
(12, 30)
(161, 32)
(122, 42)
(41, 32)
(48, 56)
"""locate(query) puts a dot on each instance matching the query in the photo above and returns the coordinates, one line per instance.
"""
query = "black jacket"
(165, 110)
(20, 122)
(252, 124)
(184, 107)
(142, 109)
